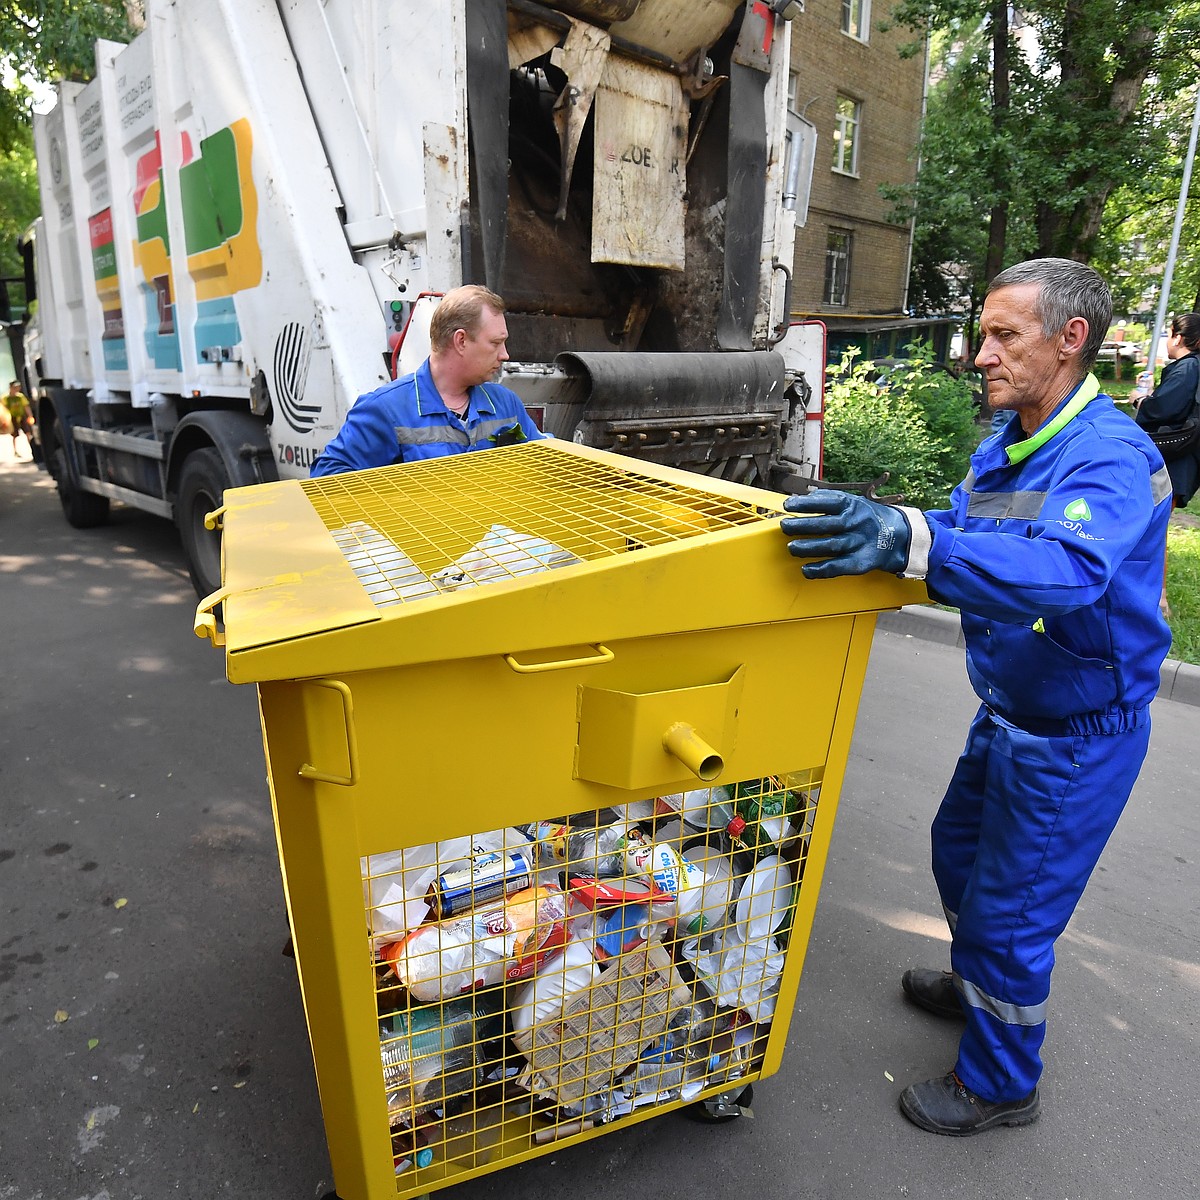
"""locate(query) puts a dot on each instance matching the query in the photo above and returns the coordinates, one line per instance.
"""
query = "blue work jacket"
(406, 420)
(1053, 550)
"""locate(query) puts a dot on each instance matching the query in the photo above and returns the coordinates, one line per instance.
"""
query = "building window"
(837, 266)
(845, 135)
(856, 18)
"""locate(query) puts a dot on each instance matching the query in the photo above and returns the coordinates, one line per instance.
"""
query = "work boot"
(948, 1106)
(933, 991)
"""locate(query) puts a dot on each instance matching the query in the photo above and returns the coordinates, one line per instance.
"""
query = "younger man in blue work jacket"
(1053, 550)
(448, 405)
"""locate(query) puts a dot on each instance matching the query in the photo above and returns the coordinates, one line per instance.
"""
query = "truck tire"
(202, 484)
(83, 510)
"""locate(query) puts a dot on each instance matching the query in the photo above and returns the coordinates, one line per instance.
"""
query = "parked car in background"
(1130, 353)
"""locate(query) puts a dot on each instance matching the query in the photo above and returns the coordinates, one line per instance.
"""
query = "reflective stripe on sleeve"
(1020, 506)
(919, 543)
(431, 435)
(1160, 485)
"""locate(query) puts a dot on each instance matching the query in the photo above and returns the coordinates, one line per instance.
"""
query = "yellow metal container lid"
(505, 551)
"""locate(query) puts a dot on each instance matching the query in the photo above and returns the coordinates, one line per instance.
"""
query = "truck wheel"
(202, 484)
(83, 510)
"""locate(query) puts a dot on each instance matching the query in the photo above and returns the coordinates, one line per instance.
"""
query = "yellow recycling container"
(555, 741)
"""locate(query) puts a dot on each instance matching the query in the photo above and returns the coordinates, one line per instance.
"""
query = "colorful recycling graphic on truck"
(104, 271)
(220, 217)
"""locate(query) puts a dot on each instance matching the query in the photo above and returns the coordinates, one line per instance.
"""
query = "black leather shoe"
(933, 991)
(948, 1106)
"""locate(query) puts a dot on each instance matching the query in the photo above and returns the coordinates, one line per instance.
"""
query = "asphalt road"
(152, 1042)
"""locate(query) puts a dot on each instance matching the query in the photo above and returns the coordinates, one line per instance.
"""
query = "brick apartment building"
(865, 102)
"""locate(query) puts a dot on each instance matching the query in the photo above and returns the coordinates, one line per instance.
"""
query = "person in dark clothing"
(1171, 403)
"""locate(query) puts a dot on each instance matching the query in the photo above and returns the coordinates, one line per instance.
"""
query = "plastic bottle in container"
(593, 851)
(704, 907)
(665, 1069)
(431, 1055)
(711, 808)
(668, 869)
(505, 940)
(767, 809)
(542, 997)
(623, 928)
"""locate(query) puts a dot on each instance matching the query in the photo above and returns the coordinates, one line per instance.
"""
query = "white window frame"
(861, 9)
(846, 130)
(837, 265)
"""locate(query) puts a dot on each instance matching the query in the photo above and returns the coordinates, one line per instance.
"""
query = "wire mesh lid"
(421, 529)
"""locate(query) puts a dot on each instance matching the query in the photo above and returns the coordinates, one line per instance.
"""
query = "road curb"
(1178, 680)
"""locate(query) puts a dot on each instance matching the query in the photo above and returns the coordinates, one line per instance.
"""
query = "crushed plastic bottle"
(597, 852)
(709, 808)
(431, 1055)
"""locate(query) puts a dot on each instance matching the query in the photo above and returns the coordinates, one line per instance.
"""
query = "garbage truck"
(251, 211)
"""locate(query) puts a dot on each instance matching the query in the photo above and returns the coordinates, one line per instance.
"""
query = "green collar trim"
(1085, 393)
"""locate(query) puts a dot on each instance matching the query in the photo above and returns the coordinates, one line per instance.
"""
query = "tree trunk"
(998, 223)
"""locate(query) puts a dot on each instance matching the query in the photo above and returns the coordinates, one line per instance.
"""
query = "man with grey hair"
(449, 405)
(1052, 549)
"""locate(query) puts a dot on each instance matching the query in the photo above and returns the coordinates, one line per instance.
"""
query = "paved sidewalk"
(1180, 680)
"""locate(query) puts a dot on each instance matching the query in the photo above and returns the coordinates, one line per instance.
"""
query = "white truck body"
(251, 210)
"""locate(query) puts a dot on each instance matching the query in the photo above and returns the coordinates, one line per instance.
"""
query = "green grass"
(1183, 582)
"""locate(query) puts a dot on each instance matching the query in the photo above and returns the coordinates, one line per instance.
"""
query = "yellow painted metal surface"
(436, 705)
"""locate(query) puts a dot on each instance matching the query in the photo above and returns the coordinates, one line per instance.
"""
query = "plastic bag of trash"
(387, 573)
(396, 883)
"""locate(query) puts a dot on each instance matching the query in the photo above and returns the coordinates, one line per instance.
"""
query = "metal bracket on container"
(725, 1106)
(307, 770)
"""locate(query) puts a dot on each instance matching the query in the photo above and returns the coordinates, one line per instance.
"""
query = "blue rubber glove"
(849, 534)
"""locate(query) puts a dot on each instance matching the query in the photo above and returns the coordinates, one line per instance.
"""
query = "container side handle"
(307, 770)
(205, 624)
(215, 520)
(603, 655)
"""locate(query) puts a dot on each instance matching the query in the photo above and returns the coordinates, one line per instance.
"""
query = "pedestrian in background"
(1174, 401)
(1052, 550)
(20, 415)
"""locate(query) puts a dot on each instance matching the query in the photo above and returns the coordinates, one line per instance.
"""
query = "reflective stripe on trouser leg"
(1047, 809)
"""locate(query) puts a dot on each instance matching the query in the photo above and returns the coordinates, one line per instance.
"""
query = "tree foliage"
(916, 423)
(19, 202)
(46, 40)
(1074, 126)
(1140, 215)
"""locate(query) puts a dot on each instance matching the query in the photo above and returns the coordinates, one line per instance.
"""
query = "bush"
(917, 423)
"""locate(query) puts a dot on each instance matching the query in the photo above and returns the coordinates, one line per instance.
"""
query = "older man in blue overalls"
(1052, 549)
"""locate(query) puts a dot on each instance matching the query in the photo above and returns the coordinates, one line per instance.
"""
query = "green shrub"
(917, 423)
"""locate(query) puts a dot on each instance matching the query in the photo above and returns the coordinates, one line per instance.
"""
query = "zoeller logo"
(1078, 510)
